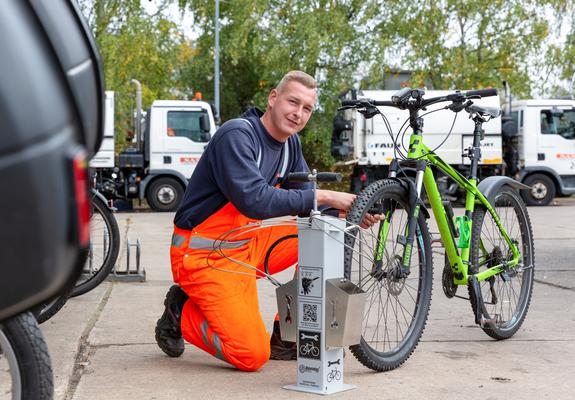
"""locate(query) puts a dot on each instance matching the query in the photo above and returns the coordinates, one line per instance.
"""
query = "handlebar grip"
(320, 177)
(298, 177)
(348, 102)
(329, 177)
(481, 93)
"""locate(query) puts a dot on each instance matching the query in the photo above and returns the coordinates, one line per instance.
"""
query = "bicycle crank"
(449, 287)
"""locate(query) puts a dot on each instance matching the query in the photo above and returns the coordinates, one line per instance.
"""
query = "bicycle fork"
(403, 263)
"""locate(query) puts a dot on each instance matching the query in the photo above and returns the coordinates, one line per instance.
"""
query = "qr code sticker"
(310, 312)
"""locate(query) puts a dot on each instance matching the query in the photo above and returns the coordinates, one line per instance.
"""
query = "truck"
(169, 140)
(533, 142)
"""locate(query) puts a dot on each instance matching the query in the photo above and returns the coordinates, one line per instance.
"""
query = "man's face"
(291, 108)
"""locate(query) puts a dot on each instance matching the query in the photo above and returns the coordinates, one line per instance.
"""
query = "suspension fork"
(411, 228)
(383, 229)
(414, 208)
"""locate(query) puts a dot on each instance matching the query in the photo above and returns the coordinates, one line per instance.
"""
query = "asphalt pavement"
(102, 344)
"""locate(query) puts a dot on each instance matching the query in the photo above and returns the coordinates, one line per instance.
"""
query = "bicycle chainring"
(449, 288)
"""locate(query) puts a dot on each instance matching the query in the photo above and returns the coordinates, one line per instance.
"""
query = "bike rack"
(134, 273)
(326, 308)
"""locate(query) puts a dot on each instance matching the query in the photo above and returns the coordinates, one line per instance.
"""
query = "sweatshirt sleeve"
(237, 175)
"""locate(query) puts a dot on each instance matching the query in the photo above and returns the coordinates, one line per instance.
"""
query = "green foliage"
(446, 44)
(136, 45)
(452, 44)
(262, 40)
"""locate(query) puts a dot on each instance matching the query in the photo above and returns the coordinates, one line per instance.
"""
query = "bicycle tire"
(105, 263)
(49, 308)
(392, 192)
(501, 326)
(22, 345)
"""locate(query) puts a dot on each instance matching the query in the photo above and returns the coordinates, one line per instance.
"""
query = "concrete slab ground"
(102, 344)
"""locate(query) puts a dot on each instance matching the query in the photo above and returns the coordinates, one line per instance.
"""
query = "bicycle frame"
(459, 261)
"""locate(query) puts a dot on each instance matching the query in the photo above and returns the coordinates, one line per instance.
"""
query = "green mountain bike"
(489, 248)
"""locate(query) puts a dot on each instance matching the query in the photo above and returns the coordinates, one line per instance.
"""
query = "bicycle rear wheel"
(505, 297)
(104, 247)
(396, 311)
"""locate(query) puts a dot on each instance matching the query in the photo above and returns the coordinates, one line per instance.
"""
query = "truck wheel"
(542, 190)
(165, 194)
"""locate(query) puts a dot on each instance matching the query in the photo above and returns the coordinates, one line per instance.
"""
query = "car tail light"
(80, 171)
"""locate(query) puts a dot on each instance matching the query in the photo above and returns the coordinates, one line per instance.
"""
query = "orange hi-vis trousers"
(222, 315)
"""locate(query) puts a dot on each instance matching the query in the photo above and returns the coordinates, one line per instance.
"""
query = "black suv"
(51, 122)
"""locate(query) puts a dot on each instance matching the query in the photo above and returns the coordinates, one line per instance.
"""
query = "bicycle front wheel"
(505, 297)
(397, 307)
(104, 247)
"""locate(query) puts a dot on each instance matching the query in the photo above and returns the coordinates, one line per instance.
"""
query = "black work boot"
(168, 331)
(281, 350)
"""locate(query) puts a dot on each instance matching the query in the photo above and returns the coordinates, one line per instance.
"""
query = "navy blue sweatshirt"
(228, 172)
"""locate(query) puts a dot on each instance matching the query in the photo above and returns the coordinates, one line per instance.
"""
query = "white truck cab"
(174, 137)
(546, 145)
(178, 133)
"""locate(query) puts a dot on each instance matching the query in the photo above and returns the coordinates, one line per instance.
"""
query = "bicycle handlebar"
(309, 177)
(401, 98)
(481, 93)
(353, 103)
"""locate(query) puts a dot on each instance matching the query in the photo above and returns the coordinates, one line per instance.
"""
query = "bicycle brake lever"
(369, 111)
(459, 106)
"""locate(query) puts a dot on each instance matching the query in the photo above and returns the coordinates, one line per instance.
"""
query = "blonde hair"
(297, 76)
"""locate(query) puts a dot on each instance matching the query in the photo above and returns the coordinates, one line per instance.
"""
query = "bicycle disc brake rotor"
(395, 283)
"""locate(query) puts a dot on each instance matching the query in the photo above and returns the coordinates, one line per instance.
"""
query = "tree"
(136, 45)
(466, 44)
(262, 40)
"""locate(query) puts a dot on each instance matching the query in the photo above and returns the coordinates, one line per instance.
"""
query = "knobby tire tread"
(32, 356)
(360, 206)
(478, 219)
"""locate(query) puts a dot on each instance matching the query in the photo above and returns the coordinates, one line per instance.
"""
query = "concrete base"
(343, 388)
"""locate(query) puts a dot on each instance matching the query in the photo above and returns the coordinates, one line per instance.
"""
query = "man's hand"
(339, 200)
(371, 219)
(343, 201)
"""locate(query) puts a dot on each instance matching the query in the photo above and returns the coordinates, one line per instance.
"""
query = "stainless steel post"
(319, 367)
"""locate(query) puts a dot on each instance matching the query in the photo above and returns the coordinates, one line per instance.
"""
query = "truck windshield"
(555, 124)
(188, 124)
